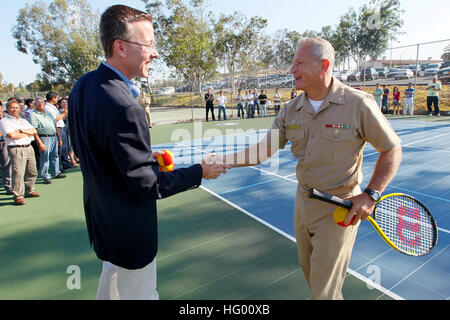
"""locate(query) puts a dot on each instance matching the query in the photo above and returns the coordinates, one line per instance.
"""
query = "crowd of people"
(248, 103)
(34, 137)
(381, 96)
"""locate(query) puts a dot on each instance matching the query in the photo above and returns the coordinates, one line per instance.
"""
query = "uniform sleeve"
(279, 124)
(374, 127)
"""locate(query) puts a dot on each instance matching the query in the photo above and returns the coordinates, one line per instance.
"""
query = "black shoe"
(60, 176)
(47, 181)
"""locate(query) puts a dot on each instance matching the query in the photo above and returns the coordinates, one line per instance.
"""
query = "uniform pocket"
(297, 137)
(335, 141)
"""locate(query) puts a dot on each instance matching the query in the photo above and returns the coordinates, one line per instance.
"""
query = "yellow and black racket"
(401, 220)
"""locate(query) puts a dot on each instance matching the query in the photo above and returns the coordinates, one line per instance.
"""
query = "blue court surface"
(267, 193)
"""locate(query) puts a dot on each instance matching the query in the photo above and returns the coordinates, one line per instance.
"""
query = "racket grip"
(316, 194)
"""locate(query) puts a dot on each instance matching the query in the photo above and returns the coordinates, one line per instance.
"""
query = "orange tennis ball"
(339, 216)
(165, 161)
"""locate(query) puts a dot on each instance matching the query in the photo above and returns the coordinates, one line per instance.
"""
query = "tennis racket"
(401, 220)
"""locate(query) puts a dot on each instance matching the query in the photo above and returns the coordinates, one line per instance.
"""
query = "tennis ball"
(339, 216)
(165, 161)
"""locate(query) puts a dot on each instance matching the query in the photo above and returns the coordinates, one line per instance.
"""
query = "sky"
(422, 23)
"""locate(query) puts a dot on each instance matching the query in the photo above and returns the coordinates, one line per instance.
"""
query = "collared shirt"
(53, 110)
(43, 122)
(10, 124)
(409, 93)
(135, 92)
(431, 91)
(329, 144)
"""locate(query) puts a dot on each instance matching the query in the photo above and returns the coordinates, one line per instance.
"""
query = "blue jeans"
(49, 157)
(240, 108)
(222, 108)
(256, 106)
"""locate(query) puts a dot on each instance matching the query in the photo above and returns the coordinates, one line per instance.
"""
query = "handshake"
(213, 166)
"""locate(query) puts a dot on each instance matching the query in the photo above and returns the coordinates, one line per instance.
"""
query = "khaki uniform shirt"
(329, 144)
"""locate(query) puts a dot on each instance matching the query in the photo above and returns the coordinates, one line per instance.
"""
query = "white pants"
(409, 102)
(117, 283)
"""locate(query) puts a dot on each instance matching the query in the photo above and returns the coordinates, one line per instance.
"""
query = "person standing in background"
(409, 100)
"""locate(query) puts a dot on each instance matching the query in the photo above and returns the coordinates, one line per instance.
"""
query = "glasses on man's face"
(145, 47)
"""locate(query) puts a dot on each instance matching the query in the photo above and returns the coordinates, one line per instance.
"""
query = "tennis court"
(267, 192)
(233, 237)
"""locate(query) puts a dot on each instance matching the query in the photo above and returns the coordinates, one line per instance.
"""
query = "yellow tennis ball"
(339, 216)
(168, 168)
(165, 161)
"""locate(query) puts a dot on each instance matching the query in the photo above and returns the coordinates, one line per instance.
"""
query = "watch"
(373, 194)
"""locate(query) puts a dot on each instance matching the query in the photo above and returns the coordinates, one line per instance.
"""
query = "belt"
(25, 146)
(46, 135)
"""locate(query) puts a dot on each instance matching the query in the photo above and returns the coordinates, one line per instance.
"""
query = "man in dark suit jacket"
(121, 178)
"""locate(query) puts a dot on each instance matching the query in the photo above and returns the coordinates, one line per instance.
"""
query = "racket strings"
(406, 223)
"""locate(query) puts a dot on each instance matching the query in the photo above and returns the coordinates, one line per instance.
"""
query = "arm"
(62, 116)
(60, 143)
(256, 153)
(385, 170)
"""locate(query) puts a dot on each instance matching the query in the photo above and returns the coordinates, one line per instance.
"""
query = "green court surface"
(207, 248)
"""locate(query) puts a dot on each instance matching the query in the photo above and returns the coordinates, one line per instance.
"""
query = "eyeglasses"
(145, 47)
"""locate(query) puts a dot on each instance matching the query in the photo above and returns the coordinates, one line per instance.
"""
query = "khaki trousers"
(117, 283)
(23, 170)
(324, 247)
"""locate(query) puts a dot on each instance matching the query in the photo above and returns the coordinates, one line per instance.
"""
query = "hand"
(362, 207)
(157, 153)
(42, 147)
(213, 166)
(60, 143)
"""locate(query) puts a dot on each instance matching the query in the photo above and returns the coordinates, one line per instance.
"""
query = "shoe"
(47, 181)
(32, 195)
(59, 176)
(19, 201)
(430, 114)
(438, 115)
(9, 192)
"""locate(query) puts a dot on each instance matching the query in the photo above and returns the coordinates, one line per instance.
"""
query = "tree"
(185, 40)
(446, 55)
(366, 33)
(234, 35)
(62, 37)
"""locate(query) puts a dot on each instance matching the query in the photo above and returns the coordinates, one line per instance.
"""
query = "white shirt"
(222, 100)
(315, 104)
(10, 124)
(249, 98)
(50, 108)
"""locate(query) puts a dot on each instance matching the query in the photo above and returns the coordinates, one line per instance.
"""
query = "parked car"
(445, 64)
(392, 72)
(431, 70)
(403, 74)
(444, 75)
(368, 74)
(382, 72)
(414, 67)
(354, 76)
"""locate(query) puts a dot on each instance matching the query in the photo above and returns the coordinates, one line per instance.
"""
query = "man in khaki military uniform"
(328, 125)
(144, 101)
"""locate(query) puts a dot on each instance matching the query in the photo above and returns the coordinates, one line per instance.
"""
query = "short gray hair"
(38, 97)
(320, 49)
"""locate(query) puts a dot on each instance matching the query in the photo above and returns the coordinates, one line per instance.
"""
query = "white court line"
(295, 181)
(350, 271)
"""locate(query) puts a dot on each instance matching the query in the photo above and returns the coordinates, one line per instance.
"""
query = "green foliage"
(185, 39)
(62, 38)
